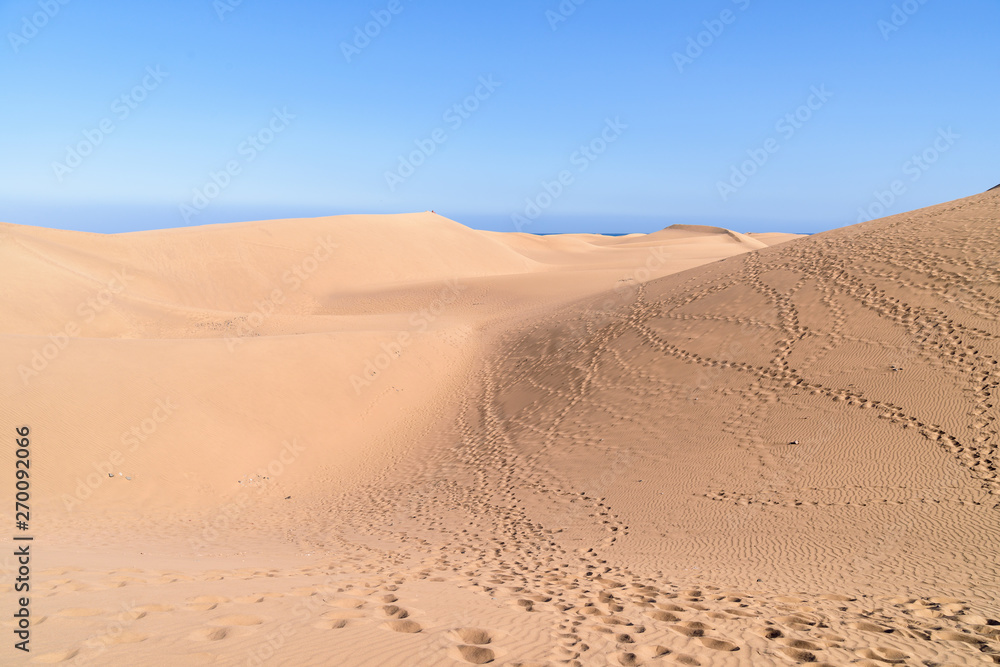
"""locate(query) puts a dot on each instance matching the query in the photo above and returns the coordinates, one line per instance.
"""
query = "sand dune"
(451, 447)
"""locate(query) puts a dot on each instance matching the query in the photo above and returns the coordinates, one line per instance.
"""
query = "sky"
(536, 116)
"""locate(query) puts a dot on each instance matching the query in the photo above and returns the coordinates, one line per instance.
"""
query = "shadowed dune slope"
(807, 433)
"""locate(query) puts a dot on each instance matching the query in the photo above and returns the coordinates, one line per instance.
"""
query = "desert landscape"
(397, 440)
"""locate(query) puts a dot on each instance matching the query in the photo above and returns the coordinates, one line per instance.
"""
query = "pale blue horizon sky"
(122, 116)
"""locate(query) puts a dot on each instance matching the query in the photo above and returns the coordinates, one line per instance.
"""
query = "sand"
(394, 440)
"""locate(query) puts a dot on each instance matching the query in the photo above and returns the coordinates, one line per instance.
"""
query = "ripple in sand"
(949, 636)
(663, 616)
(346, 603)
(80, 612)
(340, 615)
(238, 619)
(208, 599)
(249, 599)
(113, 639)
(54, 658)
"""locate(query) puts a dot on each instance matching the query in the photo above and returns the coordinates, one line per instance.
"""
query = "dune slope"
(592, 454)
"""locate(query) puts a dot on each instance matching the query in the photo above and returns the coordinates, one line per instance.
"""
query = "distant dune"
(395, 440)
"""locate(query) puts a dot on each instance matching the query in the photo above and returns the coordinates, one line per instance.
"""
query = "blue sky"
(597, 116)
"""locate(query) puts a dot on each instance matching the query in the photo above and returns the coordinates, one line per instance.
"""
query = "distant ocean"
(601, 233)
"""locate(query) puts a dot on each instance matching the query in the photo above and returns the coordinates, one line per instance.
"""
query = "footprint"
(402, 626)
(663, 616)
(798, 655)
(628, 659)
(616, 620)
(693, 629)
(652, 651)
(949, 636)
(393, 611)
(330, 624)
(209, 634)
(769, 632)
(475, 655)
(718, 644)
(884, 655)
(795, 620)
(869, 627)
(473, 635)
(744, 613)
(801, 644)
